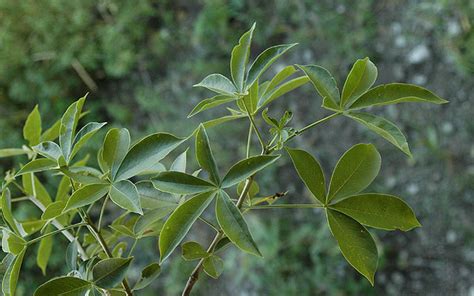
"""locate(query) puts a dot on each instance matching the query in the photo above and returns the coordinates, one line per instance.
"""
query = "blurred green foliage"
(141, 58)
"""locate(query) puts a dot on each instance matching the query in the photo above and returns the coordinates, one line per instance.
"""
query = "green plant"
(165, 202)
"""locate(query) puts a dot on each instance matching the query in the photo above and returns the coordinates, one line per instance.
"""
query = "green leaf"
(83, 175)
(12, 243)
(204, 155)
(193, 251)
(84, 135)
(211, 103)
(220, 120)
(279, 77)
(323, 82)
(213, 266)
(148, 275)
(53, 210)
(218, 83)
(52, 133)
(108, 273)
(33, 187)
(44, 252)
(355, 242)
(68, 127)
(180, 221)
(310, 172)
(49, 150)
(240, 58)
(382, 211)
(233, 224)
(72, 252)
(114, 149)
(394, 93)
(152, 198)
(8, 215)
(38, 165)
(32, 127)
(361, 77)
(64, 286)
(150, 217)
(283, 89)
(381, 126)
(125, 195)
(264, 61)
(181, 183)
(10, 279)
(179, 164)
(146, 153)
(246, 168)
(8, 152)
(86, 195)
(354, 171)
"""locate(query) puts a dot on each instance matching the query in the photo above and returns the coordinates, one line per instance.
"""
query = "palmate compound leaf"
(146, 153)
(310, 172)
(354, 171)
(180, 221)
(240, 58)
(376, 210)
(108, 273)
(66, 285)
(246, 168)
(381, 126)
(361, 77)
(355, 242)
(204, 155)
(394, 93)
(233, 224)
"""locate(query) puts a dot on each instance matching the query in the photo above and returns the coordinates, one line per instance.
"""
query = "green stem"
(101, 215)
(249, 141)
(54, 232)
(257, 132)
(209, 224)
(132, 248)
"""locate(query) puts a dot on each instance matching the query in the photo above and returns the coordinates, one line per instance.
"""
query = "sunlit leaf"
(49, 150)
(68, 127)
(354, 171)
(10, 278)
(146, 153)
(218, 83)
(264, 61)
(37, 165)
(86, 195)
(114, 149)
(324, 83)
(361, 77)
(382, 211)
(84, 135)
(240, 58)
(394, 93)
(32, 127)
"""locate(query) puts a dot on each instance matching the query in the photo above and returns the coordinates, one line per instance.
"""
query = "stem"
(100, 239)
(54, 232)
(102, 210)
(132, 248)
(249, 141)
(257, 132)
(195, 274)
(209, 224)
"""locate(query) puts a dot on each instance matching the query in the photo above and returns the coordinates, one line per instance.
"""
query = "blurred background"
(139, 60)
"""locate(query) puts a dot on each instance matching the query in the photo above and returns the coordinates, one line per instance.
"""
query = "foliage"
(164, 203)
